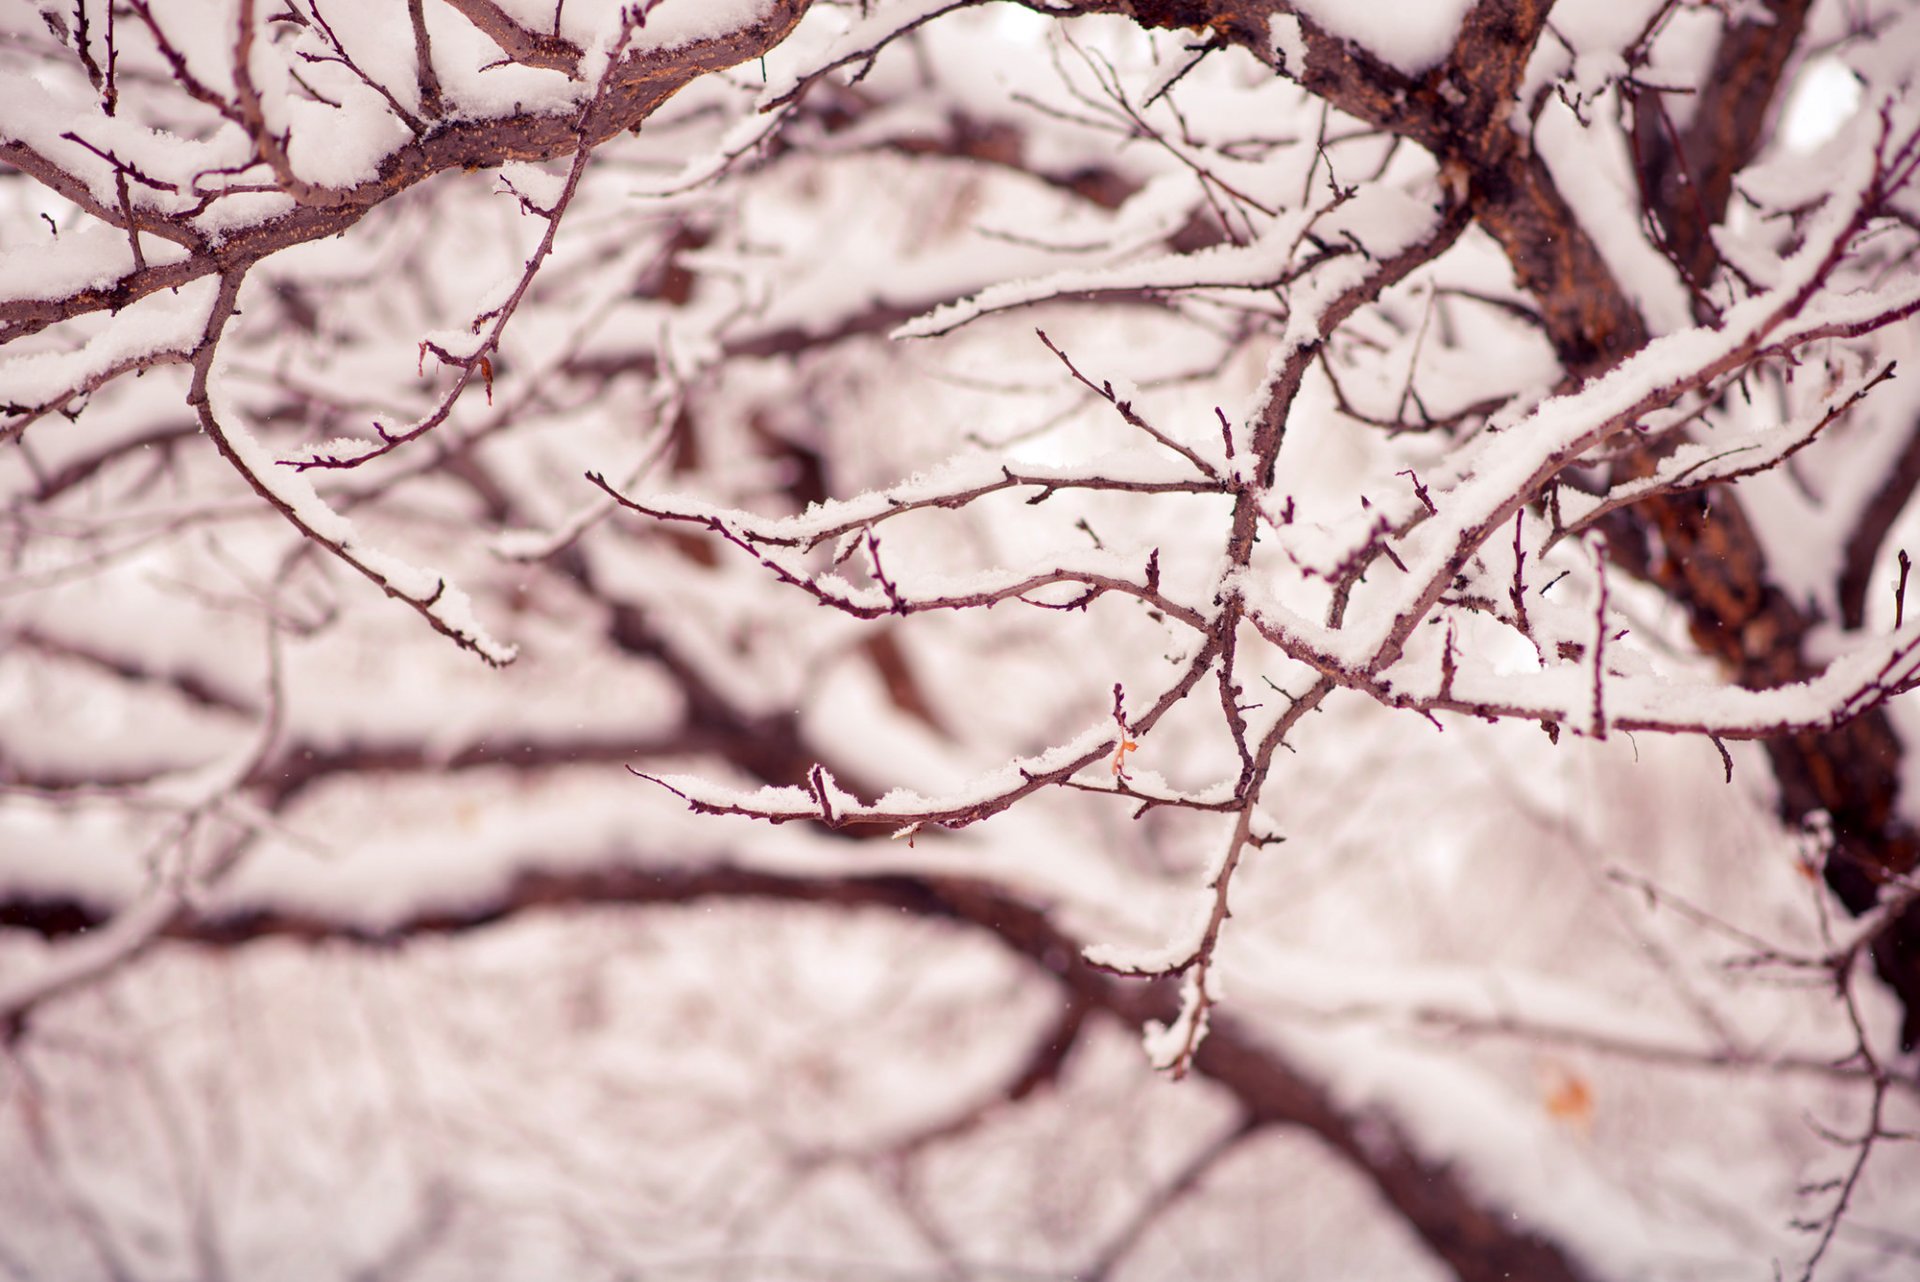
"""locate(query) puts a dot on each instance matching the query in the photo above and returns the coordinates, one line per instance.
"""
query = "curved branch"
(1471, 1234)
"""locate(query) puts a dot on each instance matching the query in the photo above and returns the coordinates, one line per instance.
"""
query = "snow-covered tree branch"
(766, 588)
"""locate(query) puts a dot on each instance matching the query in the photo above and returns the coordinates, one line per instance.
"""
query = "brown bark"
(1689, 179)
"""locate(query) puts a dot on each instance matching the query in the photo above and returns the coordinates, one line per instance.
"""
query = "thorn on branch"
(1419, 490)
(817, 785)
(895, 604)
(1900, 590)
(1382, 530)
(1518, 592)
(1080, 602)
(126, 212)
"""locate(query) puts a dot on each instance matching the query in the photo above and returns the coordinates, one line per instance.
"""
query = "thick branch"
(1477, 1239)
(521, 44)
(1690, 185)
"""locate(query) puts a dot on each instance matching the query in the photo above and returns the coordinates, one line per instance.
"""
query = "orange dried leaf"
(1570, 1099)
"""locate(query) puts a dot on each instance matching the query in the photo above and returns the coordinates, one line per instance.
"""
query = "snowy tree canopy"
(952, 639)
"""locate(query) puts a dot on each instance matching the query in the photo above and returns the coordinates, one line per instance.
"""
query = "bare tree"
(1364, 545)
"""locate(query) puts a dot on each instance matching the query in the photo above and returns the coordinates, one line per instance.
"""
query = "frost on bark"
(1363, 546)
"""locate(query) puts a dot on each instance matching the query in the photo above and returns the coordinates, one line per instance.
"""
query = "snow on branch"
(824, 801)
(447, 609)
(952, 485)
(1698, 464)
(1514, 462)
(1330, 370)
(1093, 573)
(158, 330)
